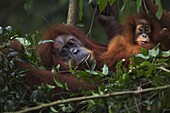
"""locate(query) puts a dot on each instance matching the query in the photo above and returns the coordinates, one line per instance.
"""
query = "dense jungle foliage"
(143, 86)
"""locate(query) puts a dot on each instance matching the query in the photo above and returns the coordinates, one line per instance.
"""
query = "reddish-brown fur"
(36, 76)
(124, 46)
(164, 22)
(45, 50)
(165, 18)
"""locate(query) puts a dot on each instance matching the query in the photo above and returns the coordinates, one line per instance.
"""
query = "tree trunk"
(72, 10)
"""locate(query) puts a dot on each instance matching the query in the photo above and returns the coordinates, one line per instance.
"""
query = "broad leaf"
(154, 52)
(105, 70)
(160, 9)
(102, 5)
(138, 4)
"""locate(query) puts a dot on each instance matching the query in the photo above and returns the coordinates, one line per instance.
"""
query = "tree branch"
(93, 97)
(164, 69)
(72, 10)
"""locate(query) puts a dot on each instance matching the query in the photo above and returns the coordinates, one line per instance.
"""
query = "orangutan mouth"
(85, 59)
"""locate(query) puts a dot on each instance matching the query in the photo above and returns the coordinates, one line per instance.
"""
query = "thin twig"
(137, 106)
(21, 98)
(92, 97)
(164, 69)
(91, 25)
(145, 6)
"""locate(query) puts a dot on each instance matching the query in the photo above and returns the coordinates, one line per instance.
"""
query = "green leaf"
(34, 95)
(145, 63)
(142, 56)
(68, 109)
(10, 103)
(93, 66)
(160, 9)
(100, 91)
(119, 66)
(144, 51)
(91, 103)
(138, 4)
(53, 70)
(45, 41)
(80, 9)
(92, 72)
(8, 28)
(102, 5)
(151, 69)
(58, 83)
(157, 80)
(58, 67)
(1, 30)
(12, 54)
(70, 67)
(105, 70)
(53, 109)
(84, 75)
(66, 86)
(154, 52)
(166, 53)
(125, 9)
(28, 5)
(111, 2)
(50, 86)
(23, 41)
(162, 60)
(90, 1)
(110, 109)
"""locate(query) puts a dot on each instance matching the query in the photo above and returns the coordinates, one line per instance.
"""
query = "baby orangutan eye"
(140, 30)
(148, 30)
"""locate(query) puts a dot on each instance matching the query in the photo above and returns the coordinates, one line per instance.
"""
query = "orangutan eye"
(65, 50)
(71, 42)
(148, 30)
(141, 30)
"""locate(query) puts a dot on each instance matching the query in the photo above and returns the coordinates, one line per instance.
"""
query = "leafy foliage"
(160, 9)
(127, 6)
(148, 69)
(14, 93)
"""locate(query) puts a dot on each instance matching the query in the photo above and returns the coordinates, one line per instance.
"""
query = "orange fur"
(124, 46)
(50, 59)
(36, 76)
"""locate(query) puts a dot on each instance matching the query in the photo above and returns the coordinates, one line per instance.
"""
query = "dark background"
(29, 16)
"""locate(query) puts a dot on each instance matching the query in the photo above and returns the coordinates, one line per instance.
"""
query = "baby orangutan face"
(143, 32)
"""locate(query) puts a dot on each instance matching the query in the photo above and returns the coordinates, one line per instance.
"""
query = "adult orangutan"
(139, 32)
(69, 43)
